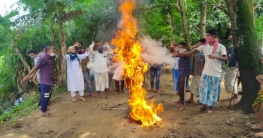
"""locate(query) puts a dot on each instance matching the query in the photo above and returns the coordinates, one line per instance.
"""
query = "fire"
(129, 50)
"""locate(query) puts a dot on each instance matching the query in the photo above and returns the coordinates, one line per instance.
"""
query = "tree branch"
(259, 1)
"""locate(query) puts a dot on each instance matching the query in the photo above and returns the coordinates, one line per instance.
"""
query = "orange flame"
(129, 50)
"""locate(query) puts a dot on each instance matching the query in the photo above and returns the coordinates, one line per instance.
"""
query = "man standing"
(214, 54)
(85, 70)
(231, 73)
(184, 72)
(100, 68)
(198, 64)
(34, 55)
(45, 66)
(155, 72)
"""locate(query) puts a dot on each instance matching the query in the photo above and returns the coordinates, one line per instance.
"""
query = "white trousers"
(73, 94)
(230, 80)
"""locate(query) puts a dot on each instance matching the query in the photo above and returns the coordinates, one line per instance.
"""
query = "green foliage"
(21, 110)
(29, 104)
(88, 20)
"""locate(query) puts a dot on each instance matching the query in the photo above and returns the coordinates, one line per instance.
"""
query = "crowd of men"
(91, 67)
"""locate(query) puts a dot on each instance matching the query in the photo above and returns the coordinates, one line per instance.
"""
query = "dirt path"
(91, 119)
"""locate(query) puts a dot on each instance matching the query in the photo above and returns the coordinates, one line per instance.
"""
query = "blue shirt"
(184, 66)
(233, 58)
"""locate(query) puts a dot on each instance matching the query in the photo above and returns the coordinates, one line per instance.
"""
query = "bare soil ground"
(93, 119)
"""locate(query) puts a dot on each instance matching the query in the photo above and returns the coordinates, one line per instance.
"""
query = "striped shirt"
(184, 66)
(198, 64)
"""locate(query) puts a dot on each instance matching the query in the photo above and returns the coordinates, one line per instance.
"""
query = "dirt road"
(92, 119)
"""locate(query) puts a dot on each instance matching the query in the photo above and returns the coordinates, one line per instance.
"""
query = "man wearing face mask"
(214, 54)
(100, 67)
(78, 47)
(45, 66)
(184, 72)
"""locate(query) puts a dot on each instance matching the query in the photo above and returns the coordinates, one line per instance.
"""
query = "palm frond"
(70, 15)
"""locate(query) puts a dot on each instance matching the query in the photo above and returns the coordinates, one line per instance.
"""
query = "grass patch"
(26, 107)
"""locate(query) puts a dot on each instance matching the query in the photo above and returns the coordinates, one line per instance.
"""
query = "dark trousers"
(155, 72)
(39, 90)
(39, 99)
(118, 85)
(45, 96)
(182, 88)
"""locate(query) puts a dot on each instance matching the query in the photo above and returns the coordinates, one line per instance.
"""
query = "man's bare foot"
(116, 93)
(259, 134)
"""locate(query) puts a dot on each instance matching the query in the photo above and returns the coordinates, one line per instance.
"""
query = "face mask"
(181, 50)
(100, 49)
(210, 39)
(52, 54)
(79, 52)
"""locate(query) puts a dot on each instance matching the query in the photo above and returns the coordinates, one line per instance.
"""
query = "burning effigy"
(129, 50)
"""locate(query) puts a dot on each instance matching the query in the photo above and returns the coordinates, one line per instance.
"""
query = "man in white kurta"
(100, 67)
(75, 81)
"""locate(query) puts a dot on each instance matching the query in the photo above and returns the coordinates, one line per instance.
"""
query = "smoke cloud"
(154, 53)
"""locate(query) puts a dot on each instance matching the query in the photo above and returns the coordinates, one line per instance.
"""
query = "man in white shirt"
(100, 67)
(214, 54)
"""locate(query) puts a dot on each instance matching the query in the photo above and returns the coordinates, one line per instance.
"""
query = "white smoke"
(154, 53)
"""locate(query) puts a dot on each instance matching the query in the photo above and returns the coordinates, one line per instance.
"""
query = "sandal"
(177, 101)
(233, 99)
(209, 112)
(82, 99)
(256, 127)
(46, 115)
(181, 106)
(259, 134)
(202, 108)
(74, 100)
(189, 101)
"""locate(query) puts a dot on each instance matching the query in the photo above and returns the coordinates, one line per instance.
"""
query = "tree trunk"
(172, 23)
(182, 12)
(60, 62)
(53, 33)
(251, 6)
(27, 67)
(246, 49)
(203, 9)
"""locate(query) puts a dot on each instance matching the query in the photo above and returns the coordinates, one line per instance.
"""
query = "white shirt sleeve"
(82, 56)
(36, 60)
(91, 49)
(223, 50)
(200, 48)
(109, 48)
(66, 57)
